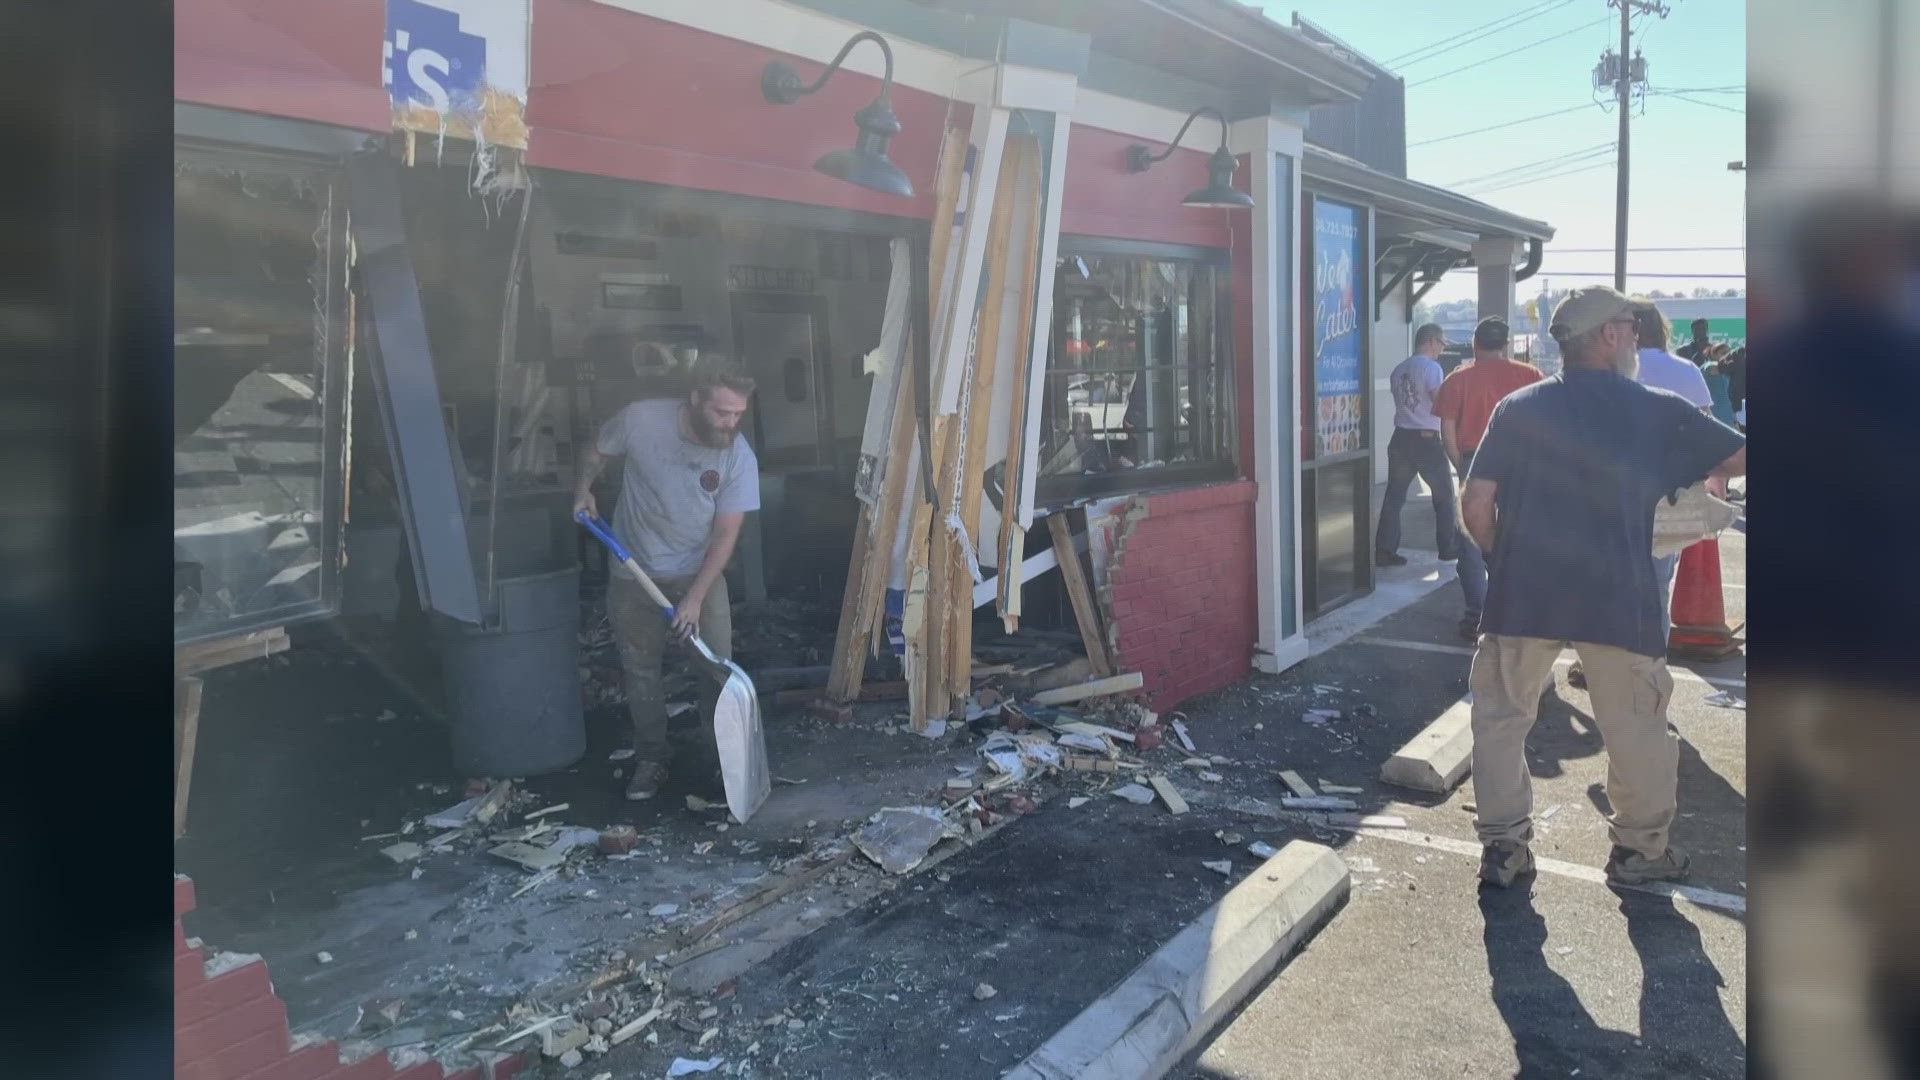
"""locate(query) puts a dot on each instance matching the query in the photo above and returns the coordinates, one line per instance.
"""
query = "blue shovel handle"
(605, 534)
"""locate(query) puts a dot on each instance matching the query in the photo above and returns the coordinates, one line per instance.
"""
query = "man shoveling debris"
(688, 482)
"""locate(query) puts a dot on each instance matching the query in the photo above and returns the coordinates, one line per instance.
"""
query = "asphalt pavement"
(1427, 974)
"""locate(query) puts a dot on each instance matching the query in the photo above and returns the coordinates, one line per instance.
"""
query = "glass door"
(1335, 452)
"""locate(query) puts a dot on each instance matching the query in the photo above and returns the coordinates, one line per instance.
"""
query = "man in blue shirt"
(1562, 493)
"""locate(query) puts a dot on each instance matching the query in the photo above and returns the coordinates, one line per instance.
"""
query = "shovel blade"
(742, 743)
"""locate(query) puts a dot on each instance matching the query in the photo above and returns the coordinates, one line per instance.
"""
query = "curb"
(1168, 1005)
(1438, 758)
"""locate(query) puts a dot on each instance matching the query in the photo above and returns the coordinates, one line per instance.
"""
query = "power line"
(1496, 127)
(1607, 164)
(1676, 95)
(1555, 161)
(1407, 57)
(1511, 52)
(1443, 48)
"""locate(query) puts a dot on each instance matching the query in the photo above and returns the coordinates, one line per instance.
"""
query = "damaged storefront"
(1026, 306)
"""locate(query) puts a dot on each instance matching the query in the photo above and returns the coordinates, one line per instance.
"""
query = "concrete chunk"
(1438, 758)
(1173, 1001)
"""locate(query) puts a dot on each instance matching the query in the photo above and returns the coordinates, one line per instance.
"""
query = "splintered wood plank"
(1085, 612)
(1013, 538)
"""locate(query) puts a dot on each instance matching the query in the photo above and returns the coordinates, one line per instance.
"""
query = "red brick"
(229, 1027)
(226, 991)
(1120, 609)
(423, 1071)
(189, 971)
(307, 1063)
(238, 1060)
(182, 896)
(180, 946)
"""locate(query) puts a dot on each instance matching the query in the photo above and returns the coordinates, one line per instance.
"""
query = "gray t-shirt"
(1415, 381)
(671, 487)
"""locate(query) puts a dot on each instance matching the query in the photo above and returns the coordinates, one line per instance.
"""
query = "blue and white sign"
(449, 57)
(1337, 338)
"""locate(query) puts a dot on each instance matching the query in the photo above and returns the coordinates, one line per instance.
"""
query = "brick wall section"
(230, 1025)
(1179, 597)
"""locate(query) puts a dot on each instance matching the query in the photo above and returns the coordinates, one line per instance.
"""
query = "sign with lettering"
(1339, 265)
(459, 68)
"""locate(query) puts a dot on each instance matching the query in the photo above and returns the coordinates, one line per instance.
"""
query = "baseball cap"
(1586, 308)
(1492, 333)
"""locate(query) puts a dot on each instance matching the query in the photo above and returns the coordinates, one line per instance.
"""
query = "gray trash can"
(513, 691)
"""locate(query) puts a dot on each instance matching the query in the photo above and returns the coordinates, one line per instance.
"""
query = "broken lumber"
(1085, 612)
(1116, 684)
(527, 855)
(1169, 793)
(635, 1028)
(495, 801)
(1300, 787)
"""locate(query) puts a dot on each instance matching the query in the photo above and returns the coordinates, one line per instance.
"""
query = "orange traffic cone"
(1700, 627)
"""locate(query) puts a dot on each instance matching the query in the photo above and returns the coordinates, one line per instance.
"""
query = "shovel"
(736, 716)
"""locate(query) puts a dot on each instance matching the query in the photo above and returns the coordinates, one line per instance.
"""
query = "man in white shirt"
(1416, 449)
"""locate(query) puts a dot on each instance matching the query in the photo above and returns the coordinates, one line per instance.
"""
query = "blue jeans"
(1409, 453)
(1663, 571)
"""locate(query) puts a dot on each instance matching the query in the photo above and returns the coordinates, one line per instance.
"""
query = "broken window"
(1138, 381)
(260, 342)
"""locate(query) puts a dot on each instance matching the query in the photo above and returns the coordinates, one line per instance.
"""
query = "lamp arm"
(886, 81)
(1204, 110)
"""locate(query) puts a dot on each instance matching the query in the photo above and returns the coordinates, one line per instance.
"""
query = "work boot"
(646, 781)
(1502, 862)
(1389, 559)
(1628, 867)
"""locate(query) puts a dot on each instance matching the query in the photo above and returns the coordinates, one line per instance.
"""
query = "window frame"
(1055, 492)
(292, 160)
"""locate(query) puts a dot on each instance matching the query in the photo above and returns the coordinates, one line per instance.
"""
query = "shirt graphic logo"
(710, 481)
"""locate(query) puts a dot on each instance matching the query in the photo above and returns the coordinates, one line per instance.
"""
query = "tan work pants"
(1630, 694)
(640, 629)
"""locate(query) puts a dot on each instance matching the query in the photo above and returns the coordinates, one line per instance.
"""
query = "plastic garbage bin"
(513, 690)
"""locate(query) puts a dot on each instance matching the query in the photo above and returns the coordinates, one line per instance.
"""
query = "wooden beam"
(1085, 611)
(1012, 542)
(1118, 684)
(186, 716)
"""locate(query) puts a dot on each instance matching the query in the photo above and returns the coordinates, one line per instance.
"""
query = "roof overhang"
(1422, 206)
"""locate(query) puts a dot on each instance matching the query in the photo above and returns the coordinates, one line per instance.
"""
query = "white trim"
(1295, 650)
(1153, 123)
(809, 35)
(1037, 89)
(1295, 354)
(984, 592)
(1043, 317)
(989, 141)
(1269, 519)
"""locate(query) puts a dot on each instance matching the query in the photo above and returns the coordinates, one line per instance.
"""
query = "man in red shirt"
(1464, 405)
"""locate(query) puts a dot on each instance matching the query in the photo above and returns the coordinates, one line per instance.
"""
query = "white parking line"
(1707, 898)
(1681, 674)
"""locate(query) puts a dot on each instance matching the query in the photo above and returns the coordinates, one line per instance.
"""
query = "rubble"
(1186, 740)
(984, 991)
(1261, 850)
(1168, 793)
(1135, 794)
(1118, 684)
(403, 852)
(618, 839)
(685, 1067)
(1299, 786)
(1319, 802)
(1223, 867)
(898, 838)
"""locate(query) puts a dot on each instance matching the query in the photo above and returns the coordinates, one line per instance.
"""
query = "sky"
(1682, 195)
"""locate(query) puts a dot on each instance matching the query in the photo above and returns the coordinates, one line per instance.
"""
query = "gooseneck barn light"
(1219, 190)
(867, 163)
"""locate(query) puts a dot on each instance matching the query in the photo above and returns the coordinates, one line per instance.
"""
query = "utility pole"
(1624, 74)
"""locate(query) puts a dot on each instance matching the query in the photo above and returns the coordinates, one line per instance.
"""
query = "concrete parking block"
(1171, 1003)
(1438, 758)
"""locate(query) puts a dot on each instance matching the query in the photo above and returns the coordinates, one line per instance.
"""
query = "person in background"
(1464, 404)
(1415, 449)
(1736, 370)
(1663, 370)
(1696, 350)
(688, 481)
(1562, 492)
(1719, 386)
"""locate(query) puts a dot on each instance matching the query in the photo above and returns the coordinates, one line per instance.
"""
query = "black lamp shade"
(867, 163)
(1219, 191)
